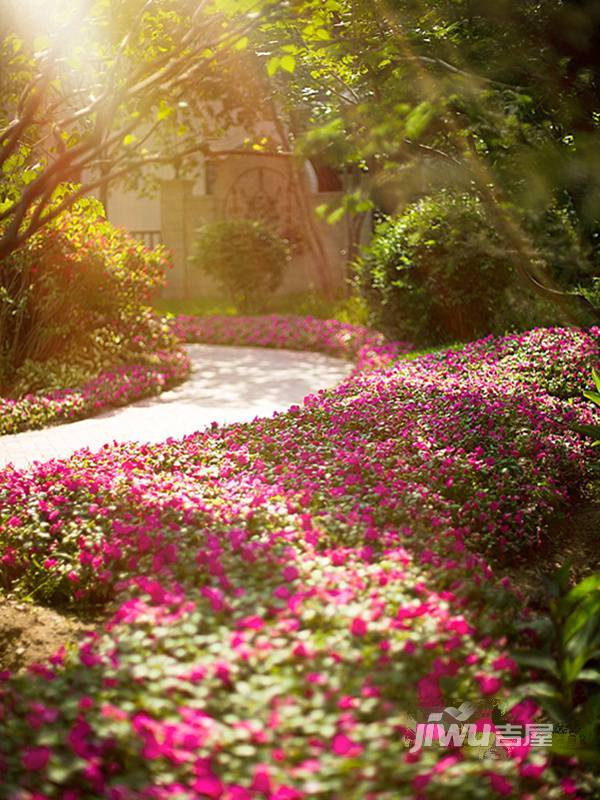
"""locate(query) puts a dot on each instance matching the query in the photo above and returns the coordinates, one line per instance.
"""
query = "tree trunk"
(312, 233)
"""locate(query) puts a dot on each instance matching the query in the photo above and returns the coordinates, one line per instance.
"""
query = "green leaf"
(535, 690)
(418, 120)
(593, 396)
(336, 215)
(571, 667)
(288, 63)
(29, 175)
(555, 710)
(561, 577)
(567, 747)
(592, 675)
(273, 65)
(586, 612)
(583, 588)
(585, 638)
(588, 430)
(540, 661)
(543, 626)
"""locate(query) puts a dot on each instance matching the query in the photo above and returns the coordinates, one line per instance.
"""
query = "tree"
(108, 95)
(498, 98)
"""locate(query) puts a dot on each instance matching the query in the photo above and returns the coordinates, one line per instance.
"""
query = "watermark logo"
(471, 726)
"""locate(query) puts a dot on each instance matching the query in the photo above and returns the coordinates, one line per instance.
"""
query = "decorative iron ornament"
(265, 194)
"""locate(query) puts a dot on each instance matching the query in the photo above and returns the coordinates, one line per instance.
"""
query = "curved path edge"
(227, 384)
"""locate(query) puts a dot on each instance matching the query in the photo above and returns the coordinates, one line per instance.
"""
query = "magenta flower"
(501, 785)
(342, 745)
(358, 626)
(284, 591)
(489, 684)
(35, 758)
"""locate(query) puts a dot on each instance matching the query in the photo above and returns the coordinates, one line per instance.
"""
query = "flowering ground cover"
(367, 348)
(114, 387)
(287, 594)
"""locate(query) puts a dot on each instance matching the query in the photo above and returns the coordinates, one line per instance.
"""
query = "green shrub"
(565, 663)
(592, 292)
(134, 341)
(434, 273)
(245, 258)
(592, 430)
(74, 299)
(563, 257)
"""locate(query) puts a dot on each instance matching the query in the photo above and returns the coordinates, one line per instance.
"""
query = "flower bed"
(115, 387)
(290, 593)
(77, 333)
(367, 348)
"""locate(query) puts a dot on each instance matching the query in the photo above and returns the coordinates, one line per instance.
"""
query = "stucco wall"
(241, 185)
(183, 212)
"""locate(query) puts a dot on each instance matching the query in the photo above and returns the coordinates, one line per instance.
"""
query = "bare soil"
(572, 537)
(30, 634)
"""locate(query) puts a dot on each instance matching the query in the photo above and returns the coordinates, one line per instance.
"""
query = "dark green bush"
(245, 258)
(440, 272)
(565, 258)
(434, 274)
(592, 292)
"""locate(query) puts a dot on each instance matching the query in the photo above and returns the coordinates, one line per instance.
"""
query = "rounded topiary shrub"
(436, 272)
(246, 259)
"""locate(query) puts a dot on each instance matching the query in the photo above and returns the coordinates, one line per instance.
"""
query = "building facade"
(239, 183)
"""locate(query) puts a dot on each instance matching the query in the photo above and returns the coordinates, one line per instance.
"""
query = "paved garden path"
(228, 384)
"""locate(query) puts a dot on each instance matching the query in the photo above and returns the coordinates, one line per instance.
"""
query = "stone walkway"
(228, 384)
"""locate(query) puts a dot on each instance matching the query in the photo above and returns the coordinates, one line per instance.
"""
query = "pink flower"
(35, 758)
(524, 712)
(429, 692)
(445, 763)
(532, 770)
(237, 793)
(77, 738)
(489, 684)
(459, 625)
(290, 573)
(287, 793)
(209, 786)
(343, 746)
(358, 626)
(568, 785)
(504, 662)
(253, 623)
(261, 782)
(501, 785)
